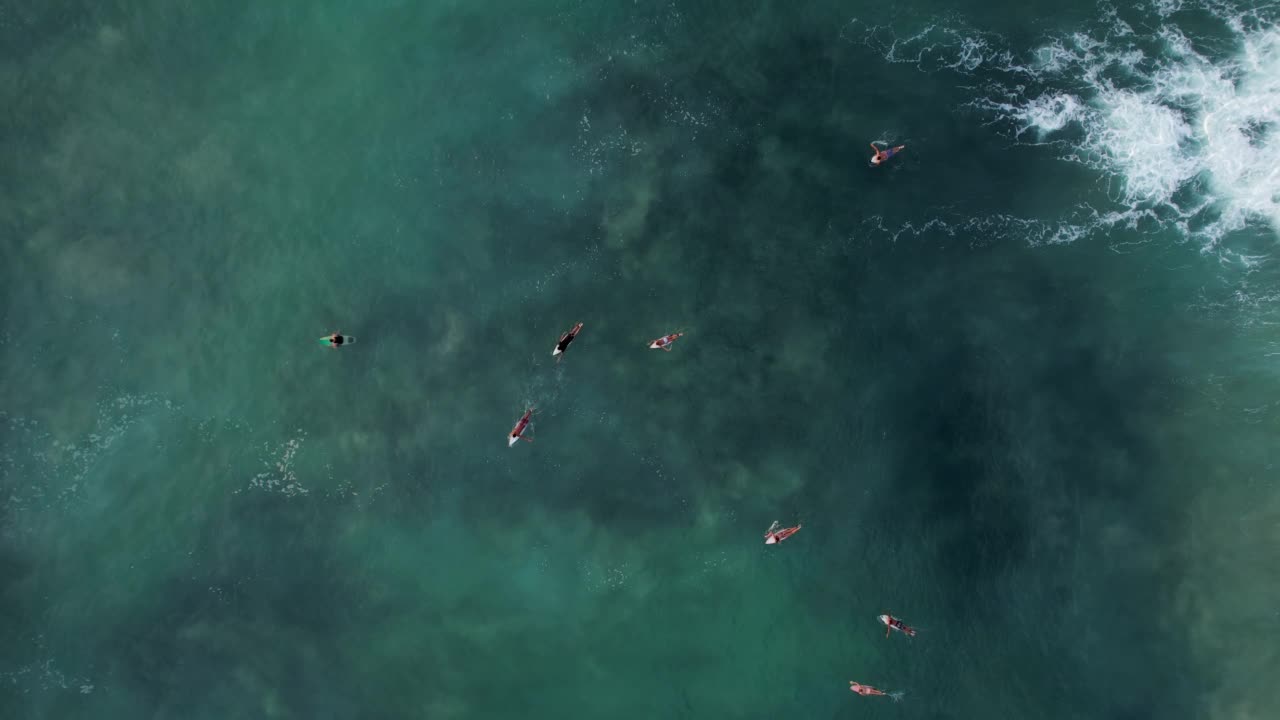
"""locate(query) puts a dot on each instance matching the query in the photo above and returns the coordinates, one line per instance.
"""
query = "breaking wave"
(1182, 125)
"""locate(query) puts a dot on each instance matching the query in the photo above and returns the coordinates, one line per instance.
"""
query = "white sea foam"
(56, 473)
(1188, 137)
(1191, 137)
(1142, 139)
(1241, 149)
(1202, 120)
(596, 150)
(1049, 113)
(45, 676)
(279, 474)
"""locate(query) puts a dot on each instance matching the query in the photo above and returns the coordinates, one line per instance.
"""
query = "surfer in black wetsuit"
(565, 339)
(336, 340)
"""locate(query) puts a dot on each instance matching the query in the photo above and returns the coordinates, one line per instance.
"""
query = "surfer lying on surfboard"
(337, 340)
(892, 623)
(882, 155)
(517, 432)
(664, 342)
(865, 690)
(775, 536)
(565, 339)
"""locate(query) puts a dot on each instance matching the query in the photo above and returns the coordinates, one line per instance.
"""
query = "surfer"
(892, 623)
(517, 432)
(865, 690)
(775, 536)
(565, 339)
(882, 155)
(664, 342)
(336, 340)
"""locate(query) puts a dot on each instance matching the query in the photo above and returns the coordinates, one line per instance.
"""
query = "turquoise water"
(1018, 385)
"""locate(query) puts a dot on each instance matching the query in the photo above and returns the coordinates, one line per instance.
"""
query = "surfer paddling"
(885, 154)
(865, 690)
(517, 432)
(565, 339)
(664, 342)
(892, 623)
(776, 535)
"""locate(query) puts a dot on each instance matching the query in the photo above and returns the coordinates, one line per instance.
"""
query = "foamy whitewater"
(1163, 123)
(1188, 137)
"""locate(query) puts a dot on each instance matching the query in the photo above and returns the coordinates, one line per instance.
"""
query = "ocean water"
(1020, 385)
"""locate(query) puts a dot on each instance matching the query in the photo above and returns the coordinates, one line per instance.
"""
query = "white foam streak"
(946, 45)
(978, 230)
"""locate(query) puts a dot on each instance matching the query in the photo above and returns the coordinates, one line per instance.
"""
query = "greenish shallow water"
(1054, 457)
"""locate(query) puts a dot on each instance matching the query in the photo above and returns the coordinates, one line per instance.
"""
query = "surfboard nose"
(512, 440)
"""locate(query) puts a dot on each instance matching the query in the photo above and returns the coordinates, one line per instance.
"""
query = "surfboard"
(346, 340)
